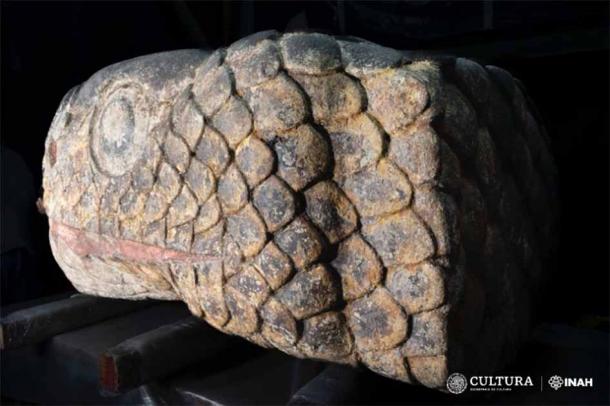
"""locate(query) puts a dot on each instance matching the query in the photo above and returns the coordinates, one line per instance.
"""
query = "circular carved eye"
(119, 129)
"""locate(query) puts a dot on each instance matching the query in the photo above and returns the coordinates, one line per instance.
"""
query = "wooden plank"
(34, 324)
(158, 353)
(245, 376)
(337, 384)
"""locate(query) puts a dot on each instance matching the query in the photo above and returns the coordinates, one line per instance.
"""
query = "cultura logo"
(555, 382)
(456, 383)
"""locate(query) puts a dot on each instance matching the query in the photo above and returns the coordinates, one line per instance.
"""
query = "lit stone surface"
(377, 321)
(309, 292)
(358, 266)
(379, 190)
(275, 201)
(212, 150)
(248, 230)
(331, 211)
(417, 287)
(201, 180)
(232, 190)
(255, 160)
(400, 238)
(278, 104)
(279, 326)
(301, 241)
(396, 98)
(303, 156)
(330, 198)
(274, 265)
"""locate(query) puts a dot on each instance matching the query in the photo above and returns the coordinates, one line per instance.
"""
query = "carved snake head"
(324, 196)
(103, 157)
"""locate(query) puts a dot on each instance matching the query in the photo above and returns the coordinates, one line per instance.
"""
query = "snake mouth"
(118, 268)
(88, 244)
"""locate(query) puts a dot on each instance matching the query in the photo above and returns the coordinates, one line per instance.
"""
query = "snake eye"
(119, 129)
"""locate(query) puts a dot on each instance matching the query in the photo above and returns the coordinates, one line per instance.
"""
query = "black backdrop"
(559, 50)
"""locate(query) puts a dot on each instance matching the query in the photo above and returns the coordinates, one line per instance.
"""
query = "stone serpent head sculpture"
(328, 197)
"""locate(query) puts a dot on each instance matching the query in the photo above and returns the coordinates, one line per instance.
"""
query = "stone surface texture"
(331, 198)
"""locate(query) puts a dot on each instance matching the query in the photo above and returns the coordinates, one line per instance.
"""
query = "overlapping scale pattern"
(362, 204)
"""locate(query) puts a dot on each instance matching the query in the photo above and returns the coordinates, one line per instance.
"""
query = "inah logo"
(555, 382)
(456, 383)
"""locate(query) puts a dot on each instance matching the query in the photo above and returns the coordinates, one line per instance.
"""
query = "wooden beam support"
(158, 353)
(37, 323)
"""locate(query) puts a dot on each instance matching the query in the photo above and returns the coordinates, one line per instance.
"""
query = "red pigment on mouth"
(85, 243)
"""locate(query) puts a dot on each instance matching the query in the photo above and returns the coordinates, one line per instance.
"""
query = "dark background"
(558, 49)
